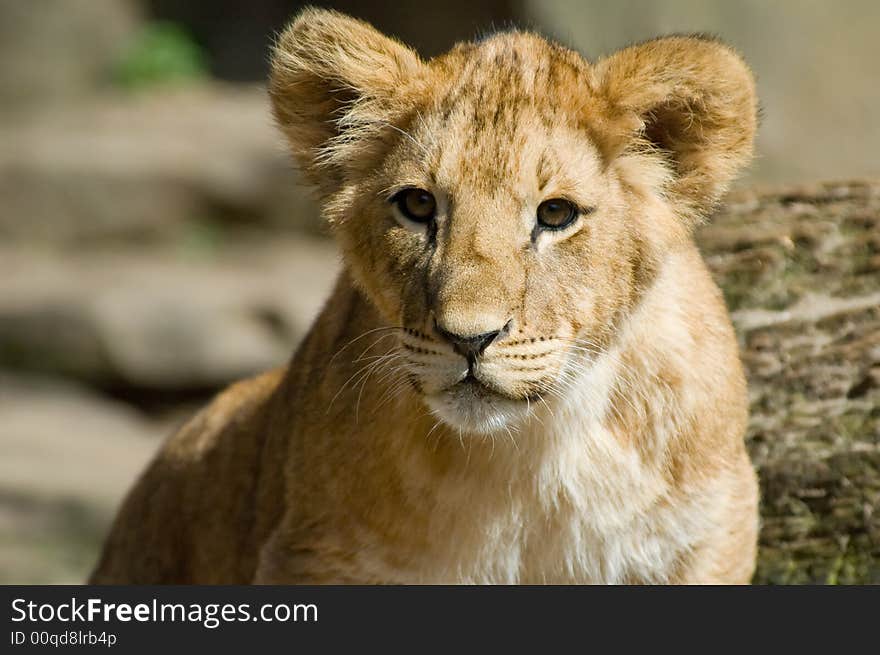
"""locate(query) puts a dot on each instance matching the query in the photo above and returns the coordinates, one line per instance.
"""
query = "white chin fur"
(478, 413)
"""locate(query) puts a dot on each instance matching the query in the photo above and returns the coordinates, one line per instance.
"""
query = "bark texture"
(800, 270)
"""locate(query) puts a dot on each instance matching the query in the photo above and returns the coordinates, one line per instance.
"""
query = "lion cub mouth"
(473, 406)
(477, 387)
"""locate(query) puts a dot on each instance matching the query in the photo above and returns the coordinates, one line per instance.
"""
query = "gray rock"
(148, 165)
(53, 52)
(68, 456)
(153, 319)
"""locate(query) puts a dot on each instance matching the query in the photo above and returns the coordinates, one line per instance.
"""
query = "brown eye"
(556, 213)
(416, 204)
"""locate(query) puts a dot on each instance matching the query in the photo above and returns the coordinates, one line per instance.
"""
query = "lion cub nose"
(471, 346)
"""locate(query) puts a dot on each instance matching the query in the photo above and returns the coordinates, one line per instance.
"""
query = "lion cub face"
(505, 205)
(497, 239)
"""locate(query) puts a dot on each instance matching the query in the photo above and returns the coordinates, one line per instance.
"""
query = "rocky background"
(155, 245)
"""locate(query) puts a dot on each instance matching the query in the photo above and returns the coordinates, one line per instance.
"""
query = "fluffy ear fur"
(690, 97)
(335, 84)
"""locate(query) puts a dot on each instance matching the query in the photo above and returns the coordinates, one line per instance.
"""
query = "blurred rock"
(159, 319)
(148, 165)
(801, 270)
(56, 435)
(53, 51)
(68, 456)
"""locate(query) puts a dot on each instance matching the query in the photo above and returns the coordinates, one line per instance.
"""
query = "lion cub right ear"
(691, 98)
(336, 84)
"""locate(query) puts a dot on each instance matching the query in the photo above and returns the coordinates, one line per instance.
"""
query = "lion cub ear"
(335, 84)
(690, 97)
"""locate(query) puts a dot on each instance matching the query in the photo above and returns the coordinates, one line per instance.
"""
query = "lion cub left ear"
(694, 100)
(335, 84)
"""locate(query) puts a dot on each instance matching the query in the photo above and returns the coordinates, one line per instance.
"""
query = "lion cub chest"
(565, 523)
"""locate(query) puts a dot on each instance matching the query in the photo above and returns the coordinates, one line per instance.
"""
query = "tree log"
(800, 270)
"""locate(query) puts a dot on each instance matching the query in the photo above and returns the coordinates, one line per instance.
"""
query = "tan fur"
(606, 441)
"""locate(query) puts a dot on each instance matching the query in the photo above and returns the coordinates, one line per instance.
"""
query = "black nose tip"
(471, 346)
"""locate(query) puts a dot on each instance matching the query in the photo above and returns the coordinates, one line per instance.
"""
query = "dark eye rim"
(575, 212)
(398, 199)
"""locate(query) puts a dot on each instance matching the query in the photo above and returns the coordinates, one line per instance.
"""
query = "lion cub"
(525, 373)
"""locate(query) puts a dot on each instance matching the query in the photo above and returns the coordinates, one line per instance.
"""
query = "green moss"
(161, 53)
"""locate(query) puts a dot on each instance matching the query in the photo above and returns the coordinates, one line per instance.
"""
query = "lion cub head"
(506, 204)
